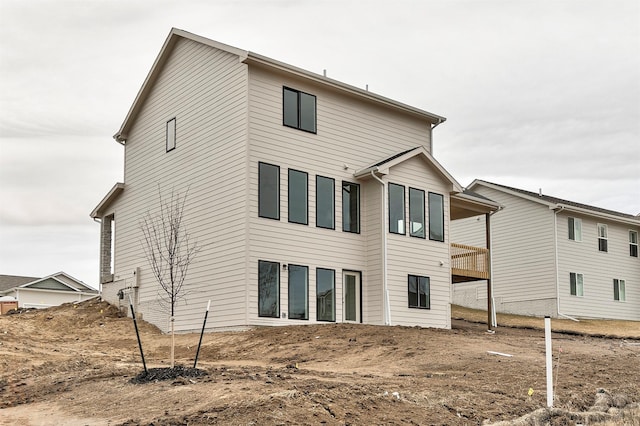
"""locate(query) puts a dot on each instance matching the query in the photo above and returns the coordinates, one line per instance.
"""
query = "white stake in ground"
(547, 342)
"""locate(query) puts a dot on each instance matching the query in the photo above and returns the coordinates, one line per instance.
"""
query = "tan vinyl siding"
(205, 90)
(373, 297)
(418, 256)
(523, 250)
(598, 270)
(470, 231)
(349, 132)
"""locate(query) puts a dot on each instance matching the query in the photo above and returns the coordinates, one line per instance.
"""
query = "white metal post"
(547, 341)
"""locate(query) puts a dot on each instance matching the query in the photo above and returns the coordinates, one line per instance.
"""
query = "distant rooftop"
(11, 281)
(556, 200)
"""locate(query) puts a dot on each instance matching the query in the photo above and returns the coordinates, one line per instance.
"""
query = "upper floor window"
(575, 229)
(419, 292)
(299, 110)
(619, 290)
(298, 201)
(576, 284)
(633, 243)
(396, 209)
(325, 202)
(350, 207)
(602, 237)
(171, 134)
(268, 191)
(436, 217)
(416, 212)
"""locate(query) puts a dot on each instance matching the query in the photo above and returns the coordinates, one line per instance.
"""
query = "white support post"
(549, 359)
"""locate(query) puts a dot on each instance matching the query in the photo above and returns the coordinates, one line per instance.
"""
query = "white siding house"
(548, 259)
(52, 290)
(286, 174)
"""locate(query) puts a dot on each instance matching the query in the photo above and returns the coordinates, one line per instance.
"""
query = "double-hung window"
(170, 135)
(325, 202)
(298, 292)
(576, 284)
(325, 294)
(619, 293)
(298, 199)
(268, 289)
(299, 110)
(575, 229)
(416, 213)
(268, 191)
(350, 207)
(436, 217)
(419, 292)
(633, 243)
(396, 209)
(602, 237)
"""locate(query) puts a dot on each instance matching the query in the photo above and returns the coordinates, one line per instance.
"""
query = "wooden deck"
(469, 262)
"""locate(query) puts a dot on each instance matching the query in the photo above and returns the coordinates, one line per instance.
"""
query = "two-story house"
(312, 200)
(554, 257)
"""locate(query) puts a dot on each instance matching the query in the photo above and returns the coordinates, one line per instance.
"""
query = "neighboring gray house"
(52, 290)
(554, 257)
(313, 200)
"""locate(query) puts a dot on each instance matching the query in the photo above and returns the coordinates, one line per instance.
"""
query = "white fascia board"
(595, 214)
(257, 59)
(113, 193)
(479, 202)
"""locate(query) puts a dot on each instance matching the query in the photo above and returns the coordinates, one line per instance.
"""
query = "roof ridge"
(558, 200)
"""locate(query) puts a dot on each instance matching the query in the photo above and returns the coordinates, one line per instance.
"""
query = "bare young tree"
(169, 251)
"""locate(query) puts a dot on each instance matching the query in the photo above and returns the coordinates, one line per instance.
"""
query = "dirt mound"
(615, 409)
(80, 364)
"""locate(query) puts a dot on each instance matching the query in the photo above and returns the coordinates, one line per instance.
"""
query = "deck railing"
(469, 261)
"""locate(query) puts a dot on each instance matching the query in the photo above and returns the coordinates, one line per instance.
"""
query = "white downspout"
(385, 289)
(557, 210)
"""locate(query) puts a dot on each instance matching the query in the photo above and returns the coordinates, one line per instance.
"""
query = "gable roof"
(251, 58)
(382, 167)
(65, 281)
(11, 281)
(560, 203)
(111, 196)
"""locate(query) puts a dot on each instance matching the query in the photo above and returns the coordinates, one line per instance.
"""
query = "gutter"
(437, 123)
(385, 289)
(119, 138)
(557, 210)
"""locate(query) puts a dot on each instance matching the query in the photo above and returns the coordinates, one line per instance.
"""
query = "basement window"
(419, 292)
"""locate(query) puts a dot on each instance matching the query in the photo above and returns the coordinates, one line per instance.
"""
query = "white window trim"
(605, 237)
(577, 229)
(579, 284)
(632, 243)
(622, 284)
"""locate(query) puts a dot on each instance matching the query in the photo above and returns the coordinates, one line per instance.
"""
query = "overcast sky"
(537, 94)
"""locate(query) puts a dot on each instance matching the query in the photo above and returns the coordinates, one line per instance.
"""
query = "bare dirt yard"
(74, 365)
